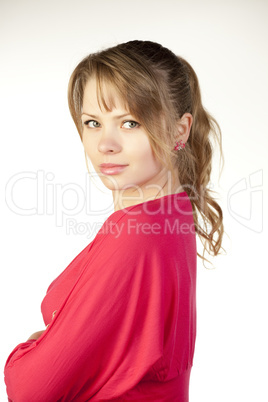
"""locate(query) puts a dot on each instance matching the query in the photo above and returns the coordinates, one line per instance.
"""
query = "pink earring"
(179, 145)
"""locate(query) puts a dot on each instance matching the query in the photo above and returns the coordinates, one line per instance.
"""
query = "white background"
(226, 43)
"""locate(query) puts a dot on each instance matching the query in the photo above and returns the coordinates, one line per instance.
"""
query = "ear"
(184, 127)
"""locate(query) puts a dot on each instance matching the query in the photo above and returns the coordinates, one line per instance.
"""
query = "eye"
(130, 124)
(92, 124)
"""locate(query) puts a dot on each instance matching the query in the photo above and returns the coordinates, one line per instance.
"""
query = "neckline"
(182, 194)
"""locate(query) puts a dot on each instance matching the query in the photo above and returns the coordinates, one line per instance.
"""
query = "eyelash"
(86, 123)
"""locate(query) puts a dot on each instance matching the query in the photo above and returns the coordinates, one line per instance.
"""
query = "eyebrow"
(97, 117)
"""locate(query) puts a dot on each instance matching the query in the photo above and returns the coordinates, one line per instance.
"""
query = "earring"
(179, 145)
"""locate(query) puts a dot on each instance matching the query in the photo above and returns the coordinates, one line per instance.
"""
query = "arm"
(104, 338)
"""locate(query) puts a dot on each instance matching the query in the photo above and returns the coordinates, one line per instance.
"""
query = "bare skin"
(36, 335)
(115, 137)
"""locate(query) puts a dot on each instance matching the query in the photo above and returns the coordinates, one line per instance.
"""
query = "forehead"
(102, 97)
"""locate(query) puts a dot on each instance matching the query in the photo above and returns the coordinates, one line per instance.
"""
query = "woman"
(121, 318)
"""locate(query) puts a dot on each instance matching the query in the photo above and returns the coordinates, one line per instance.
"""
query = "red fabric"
(125, 324)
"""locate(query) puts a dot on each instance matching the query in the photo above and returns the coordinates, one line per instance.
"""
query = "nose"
(109, 142)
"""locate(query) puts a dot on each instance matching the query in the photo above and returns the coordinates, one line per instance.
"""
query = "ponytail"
(195, 170)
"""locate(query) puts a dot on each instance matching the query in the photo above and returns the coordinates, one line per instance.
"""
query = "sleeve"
(107, 334)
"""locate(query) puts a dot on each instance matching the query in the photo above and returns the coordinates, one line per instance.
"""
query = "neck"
(132, 196)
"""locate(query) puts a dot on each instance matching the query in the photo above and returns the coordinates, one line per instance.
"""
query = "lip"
(110, 169)
(110, 165)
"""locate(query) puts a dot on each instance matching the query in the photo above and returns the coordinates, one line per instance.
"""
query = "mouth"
(110, 165)
(110, 169)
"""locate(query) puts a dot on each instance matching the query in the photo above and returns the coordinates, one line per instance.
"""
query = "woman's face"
(116, 137)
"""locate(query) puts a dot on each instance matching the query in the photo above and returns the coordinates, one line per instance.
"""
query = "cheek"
(89, 147)
(145, 160)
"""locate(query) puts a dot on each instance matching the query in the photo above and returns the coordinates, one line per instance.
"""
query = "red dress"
(125, 321)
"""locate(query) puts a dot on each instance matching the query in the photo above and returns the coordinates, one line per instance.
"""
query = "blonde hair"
(158, 88)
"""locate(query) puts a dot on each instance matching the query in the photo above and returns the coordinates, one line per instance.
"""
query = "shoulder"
(130, 227)
(157, 226)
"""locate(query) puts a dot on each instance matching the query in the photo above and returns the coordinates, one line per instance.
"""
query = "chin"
(115, 184)
(110, 182)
